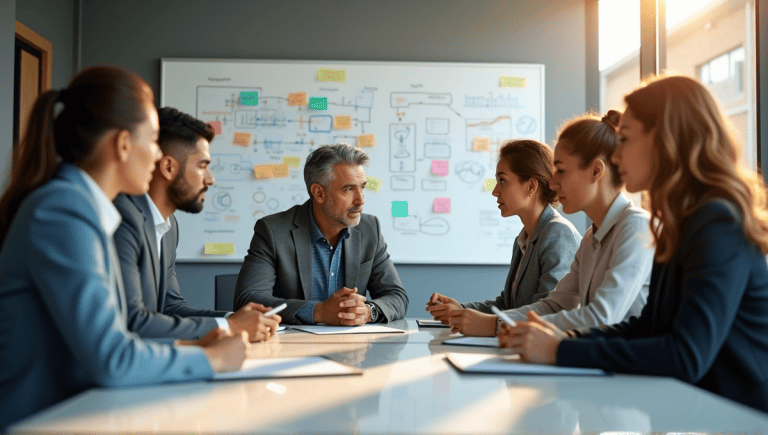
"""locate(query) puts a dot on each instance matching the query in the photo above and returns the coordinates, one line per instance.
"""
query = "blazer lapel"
(351, 257)
(149, 236)
(531, 242)
(302, 244)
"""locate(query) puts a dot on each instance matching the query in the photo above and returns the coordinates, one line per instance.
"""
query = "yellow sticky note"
(242, 139)
(372, 183)
(342, 122)
(292, 161)
(280, 171)
(366, 141)
(332, 75)
(489, 184)
(262, 171)
(481, 144)
(219, 249)
(512, 82)
(297, 99)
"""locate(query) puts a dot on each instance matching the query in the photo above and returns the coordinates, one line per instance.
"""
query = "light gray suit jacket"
(156, 308)
(278, 266)
(548, 258)
(62, 310)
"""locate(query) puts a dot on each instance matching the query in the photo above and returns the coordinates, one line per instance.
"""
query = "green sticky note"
(317, 103)
(249, 98)
(219, 249)
(399, 208)
(512, 82)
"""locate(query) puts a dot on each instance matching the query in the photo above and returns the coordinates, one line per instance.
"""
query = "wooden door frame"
(45, 47)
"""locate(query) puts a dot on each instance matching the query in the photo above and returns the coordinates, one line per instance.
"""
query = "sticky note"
(332, 75)
(219, 249)
(399, 208)
(249, 98)
(366, 141)
(481, 144)
(297, 99)
(242, 139)
(280, 171)
(318, 103)
(262, 171)
(216, 126)
(292, 161)
(440, 167)
(512, 82)
(342, 122)
(442, 205)
(489, 184)
(372, 183)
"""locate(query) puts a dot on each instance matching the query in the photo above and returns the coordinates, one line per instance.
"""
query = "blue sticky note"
(249, 98)
(399, 208)
(317, 103)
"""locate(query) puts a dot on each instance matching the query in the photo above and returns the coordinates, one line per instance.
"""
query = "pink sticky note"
(216, 126)
(442, 205)
(440, 167)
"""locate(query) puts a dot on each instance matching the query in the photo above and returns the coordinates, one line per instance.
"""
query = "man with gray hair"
(323, 257)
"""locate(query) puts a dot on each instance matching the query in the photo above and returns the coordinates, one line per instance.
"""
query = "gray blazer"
(156, 308)
(552, 247)
(278, 266)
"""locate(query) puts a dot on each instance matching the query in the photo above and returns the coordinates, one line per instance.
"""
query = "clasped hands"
(344, 307)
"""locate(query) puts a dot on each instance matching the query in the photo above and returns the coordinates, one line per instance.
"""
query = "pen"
(277, 309)
(503, 316)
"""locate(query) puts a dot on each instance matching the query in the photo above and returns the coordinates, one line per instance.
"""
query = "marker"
(503, 316)
(277, 309)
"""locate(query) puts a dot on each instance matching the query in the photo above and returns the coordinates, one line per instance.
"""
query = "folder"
(511, 365)
(295, 367)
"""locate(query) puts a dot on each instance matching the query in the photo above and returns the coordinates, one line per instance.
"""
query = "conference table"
(406, 386)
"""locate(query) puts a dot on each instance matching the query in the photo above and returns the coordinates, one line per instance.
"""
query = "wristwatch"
(375, 313)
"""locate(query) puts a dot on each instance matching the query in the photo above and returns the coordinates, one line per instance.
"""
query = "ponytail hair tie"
(612, 119)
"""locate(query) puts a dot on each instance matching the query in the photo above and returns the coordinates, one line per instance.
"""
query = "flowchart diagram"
(432, 132)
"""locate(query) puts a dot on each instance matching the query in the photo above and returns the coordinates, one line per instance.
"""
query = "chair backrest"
(225, 292)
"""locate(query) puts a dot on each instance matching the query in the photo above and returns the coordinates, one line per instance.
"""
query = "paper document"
(297, 367)
(280, 328)
(474, 341)
(363, 329)
(431, 323)
(484, 363)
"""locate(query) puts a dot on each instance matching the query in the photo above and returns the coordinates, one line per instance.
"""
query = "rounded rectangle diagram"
(432, 185)
(438, 125)
(437, 151)
(320, 123)
(403, 182)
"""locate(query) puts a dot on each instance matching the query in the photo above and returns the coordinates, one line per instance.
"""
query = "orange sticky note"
(481, 144)
(242, 139)
(262, 171)
(216, 126)
(342, 122)
(292, 161)
(440, 167)
(366, 140)
(280, 171)
(489, 184)
(442, 205)
(297, 99)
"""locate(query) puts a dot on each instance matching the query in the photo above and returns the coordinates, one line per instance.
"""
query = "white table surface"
(407, 387)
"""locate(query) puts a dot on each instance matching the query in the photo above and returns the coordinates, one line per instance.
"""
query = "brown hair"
(589, 137)
(695, 158)
(98, 99)
(531, 159)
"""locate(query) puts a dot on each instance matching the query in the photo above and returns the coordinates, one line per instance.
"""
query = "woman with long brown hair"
(705, 321)
(62, 305)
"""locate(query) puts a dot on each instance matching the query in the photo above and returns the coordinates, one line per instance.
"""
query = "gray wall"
(54, 21)
(136, 34)
(7, 38)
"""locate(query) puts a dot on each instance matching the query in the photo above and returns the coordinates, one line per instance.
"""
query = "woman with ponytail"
(705, 321)
(62, 306)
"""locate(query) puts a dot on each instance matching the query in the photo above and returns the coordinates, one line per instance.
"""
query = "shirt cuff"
(222, 322)
(228, 314)
(306, 314)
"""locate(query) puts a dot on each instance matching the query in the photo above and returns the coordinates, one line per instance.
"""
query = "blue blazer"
(62, 319)
(706, 320)
(156, 308)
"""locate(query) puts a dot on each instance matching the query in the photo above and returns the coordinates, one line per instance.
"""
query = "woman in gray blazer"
(543, 250)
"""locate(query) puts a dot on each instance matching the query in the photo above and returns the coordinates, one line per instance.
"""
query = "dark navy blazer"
(706, 320)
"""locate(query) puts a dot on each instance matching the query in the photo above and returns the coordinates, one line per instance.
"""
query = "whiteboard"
(432, 131)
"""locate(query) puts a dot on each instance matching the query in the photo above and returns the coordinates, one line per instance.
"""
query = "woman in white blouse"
(608, 280)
